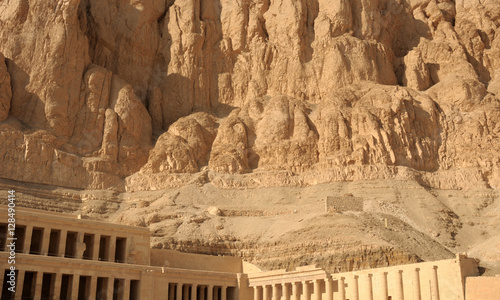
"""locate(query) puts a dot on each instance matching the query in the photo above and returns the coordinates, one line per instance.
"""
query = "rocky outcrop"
(5, 90)
(131, 95)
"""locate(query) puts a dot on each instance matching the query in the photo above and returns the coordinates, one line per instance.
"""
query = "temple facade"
(59, 256)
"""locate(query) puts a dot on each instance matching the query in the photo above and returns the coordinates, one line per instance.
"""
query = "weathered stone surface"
(252, 86)
(5, 90)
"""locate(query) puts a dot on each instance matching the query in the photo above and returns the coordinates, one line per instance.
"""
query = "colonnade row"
(42, 285)
(65, 243)
(366, 286)
(184, 291)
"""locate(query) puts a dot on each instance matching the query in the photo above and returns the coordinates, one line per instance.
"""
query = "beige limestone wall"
(482, 288)
(175, 259)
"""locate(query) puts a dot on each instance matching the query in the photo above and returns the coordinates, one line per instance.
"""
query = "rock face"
(141, 94)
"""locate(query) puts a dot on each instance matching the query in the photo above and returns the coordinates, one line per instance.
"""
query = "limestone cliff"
(102, 90)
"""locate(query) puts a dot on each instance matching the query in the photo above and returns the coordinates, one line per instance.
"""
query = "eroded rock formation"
(94, 91)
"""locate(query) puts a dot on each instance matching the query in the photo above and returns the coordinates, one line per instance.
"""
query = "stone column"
(416, 285)
(369, 287)
(341, 283)
(256, 294)
(45, 241)
(76, 283)
(80, 245)
(265, 292)
(126, 289)
(19, 284)
(305, 290)
(109, 291)
(112, 248)
(295, 291)
(27, 238)
(95, 250)
(57, 286)
(38, 286)
(223, 292)
(93, 286)
(434, 284)
(194, 291)
(285, 291)
(179, 291)
(2, 277)
(62, 243)
(216, 293)
(383, 286)
(329, 288)
(274, 287)
(317, 289)
(399, 286)
(355, 288)
(210, 292)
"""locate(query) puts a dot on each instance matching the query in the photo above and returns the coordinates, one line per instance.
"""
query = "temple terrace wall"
(64, 257)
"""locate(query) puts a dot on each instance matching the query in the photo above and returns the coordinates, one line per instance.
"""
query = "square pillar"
(368, 287)
(194, 290)
(223, 292)
(126, 289)
(305, 290)
(210, 292)
(434, 284)
(57, 285)
(112, 248)
(355, 288)
(111, 284)
(27, 239)
(256, 293)
(285, 291)
(45, 241)
(275, 291)
(329, 288)
(62, 243)
(179, 291)
(93, 286)
(38, 286)
(265, 292)
(399, 286)
(317, 289)
(341, 283)
(383, 286)
(295, 291)
(74, 287)
(2, 275)
(19, 284)
(80, 245)
(416, 285)
(95, 251)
